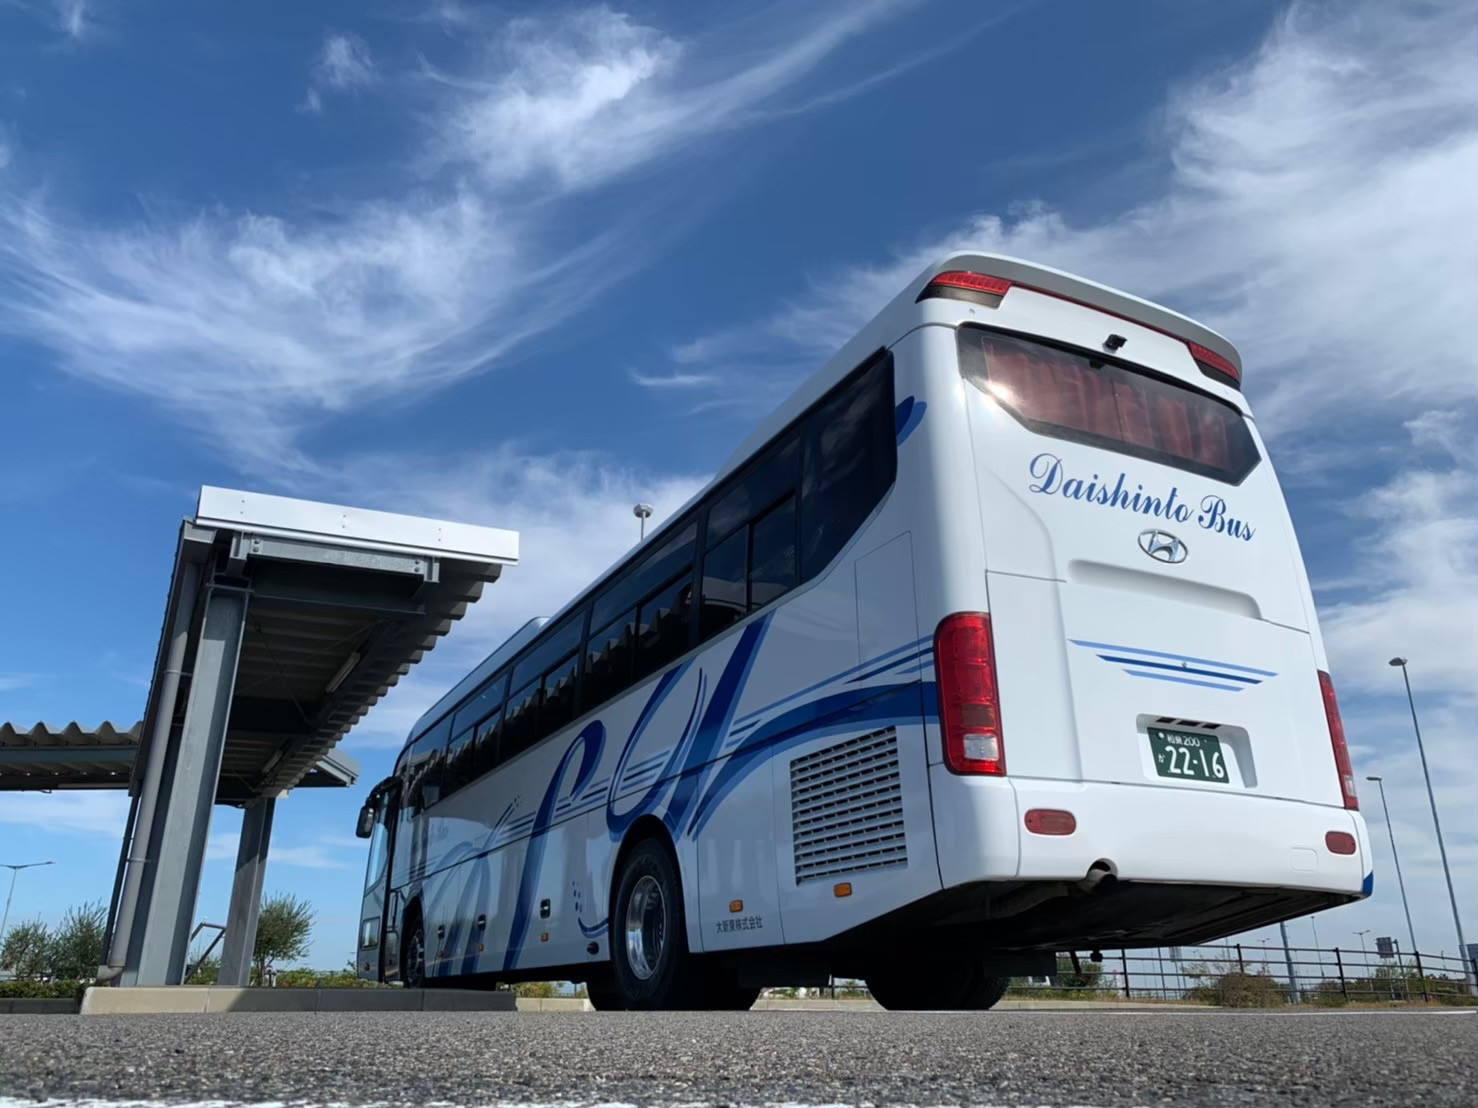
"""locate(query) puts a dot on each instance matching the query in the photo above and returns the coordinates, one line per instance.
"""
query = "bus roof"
(903, 312)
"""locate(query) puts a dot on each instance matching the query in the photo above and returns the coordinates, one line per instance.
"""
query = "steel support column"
(162, 923)
(246, 893)
(153, 748)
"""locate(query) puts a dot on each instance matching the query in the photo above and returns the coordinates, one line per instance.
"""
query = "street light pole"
(642, 512)
(1396, 858)
(1436, 822)
(14, 870)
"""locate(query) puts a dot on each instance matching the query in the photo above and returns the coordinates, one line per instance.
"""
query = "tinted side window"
(520, 721)
(611, 660)
(772, 478)
(457, 770)
(560, 706)
(851, 459)
(485, 701)
(423, 768)
(725, 575)
(485, 744)
(662, 626)
(641, 580)
(551, 646)
(774, 567)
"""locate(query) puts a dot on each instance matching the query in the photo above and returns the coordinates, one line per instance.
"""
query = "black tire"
(601, 992)
(728, 998)
(651, 968)
(936, 987)
(413, 954)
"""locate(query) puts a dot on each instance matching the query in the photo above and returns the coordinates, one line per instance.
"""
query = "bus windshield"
(1108, 404)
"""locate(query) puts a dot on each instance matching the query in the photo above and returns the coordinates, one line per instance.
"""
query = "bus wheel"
(413, 958)
(651, 967)
(944, 986)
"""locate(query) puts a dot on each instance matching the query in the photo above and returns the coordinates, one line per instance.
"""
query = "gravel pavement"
(1044, 1058)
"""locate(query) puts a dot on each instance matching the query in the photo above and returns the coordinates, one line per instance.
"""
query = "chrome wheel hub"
(646, 927)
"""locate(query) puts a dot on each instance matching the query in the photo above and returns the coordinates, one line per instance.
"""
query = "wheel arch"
(646, 828)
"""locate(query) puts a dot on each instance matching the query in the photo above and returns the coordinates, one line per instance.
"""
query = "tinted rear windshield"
(1086, 399)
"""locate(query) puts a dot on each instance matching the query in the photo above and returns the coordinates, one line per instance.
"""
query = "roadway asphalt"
(1091, 1058)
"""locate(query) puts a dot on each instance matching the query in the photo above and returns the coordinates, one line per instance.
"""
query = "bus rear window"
(1101, 403)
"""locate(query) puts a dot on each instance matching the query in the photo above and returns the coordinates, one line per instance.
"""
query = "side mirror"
(366, 825)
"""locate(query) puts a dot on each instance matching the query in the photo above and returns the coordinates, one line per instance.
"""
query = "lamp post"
(1364, 954)
(14, 869)
(1396, 858)
(1400, 663)
(642, 512)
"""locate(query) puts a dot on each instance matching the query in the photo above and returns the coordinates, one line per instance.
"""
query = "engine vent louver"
(846, 808)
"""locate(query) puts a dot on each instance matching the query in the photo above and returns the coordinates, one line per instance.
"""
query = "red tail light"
(1050, 821)
(1214, 365)
(1339, 842)
(969, 715)
(974, 282)
(1337, 740)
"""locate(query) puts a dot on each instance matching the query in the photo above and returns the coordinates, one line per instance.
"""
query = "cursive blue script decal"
(1051, 479)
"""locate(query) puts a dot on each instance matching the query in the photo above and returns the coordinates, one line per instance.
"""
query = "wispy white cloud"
(604, 93)
(345, 62)
(73, 18)
(89, 813)
(324, 852)
(254, 325)
(673, 380)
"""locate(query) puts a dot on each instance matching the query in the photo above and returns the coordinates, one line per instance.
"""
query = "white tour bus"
(994, 641)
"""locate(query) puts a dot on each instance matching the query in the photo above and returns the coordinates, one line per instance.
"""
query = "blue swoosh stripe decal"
(1174, 657)
(1181, 669)
(831, 680)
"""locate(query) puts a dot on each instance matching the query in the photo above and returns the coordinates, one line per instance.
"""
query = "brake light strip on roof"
(989, 291)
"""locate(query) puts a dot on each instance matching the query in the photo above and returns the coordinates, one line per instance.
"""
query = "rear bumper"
(1144, 834)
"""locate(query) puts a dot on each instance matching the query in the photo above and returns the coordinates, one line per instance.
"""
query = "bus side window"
(774, 567)
(851, 460)
(610, 660)
(725, 571)
(662, 625)
(520, 721)
(559, 695)
(457, 768)
(485, 744)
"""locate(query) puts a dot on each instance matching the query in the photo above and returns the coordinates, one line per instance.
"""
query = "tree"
(76, 947)
(283, 929)
(26, 950)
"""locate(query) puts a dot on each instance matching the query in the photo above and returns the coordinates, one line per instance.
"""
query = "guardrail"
(1260, 975)
(1237, 975)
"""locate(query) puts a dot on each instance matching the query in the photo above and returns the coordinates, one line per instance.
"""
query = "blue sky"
(524, 265)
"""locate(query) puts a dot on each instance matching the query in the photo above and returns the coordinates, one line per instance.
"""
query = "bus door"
(377, 820)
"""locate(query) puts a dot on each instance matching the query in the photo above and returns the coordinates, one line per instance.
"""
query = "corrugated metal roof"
(341, 604)
(46, 756)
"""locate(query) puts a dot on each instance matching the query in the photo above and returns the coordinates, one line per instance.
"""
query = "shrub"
(535, 988)
(76, 947)
(1237, 989)
(27, 949)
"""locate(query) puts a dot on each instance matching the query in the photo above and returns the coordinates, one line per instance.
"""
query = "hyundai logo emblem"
(1162, 546)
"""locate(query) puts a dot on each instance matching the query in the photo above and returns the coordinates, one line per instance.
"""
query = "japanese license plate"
(1187, 756)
